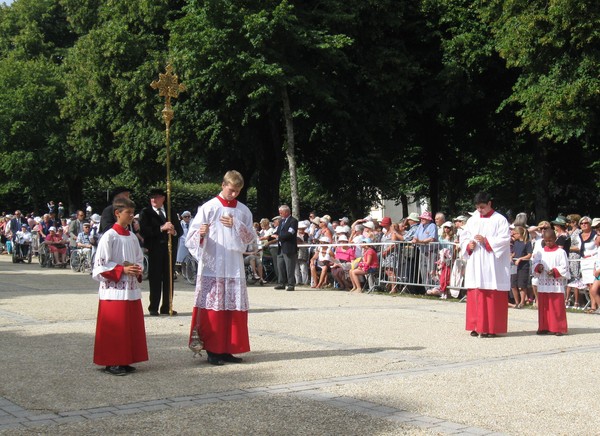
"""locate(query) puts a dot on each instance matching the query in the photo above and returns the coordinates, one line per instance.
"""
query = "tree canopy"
(334, 103)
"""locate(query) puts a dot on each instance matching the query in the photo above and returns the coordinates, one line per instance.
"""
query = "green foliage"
(433, 99)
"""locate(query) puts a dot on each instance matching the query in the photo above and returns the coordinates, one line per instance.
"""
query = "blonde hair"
(523, 233)
(233, 178)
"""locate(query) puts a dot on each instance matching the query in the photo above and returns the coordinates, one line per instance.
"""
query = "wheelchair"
(80, 262)
(44, 256)
(21, 252)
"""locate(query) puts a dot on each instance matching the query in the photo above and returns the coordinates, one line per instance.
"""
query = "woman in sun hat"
(368, 265)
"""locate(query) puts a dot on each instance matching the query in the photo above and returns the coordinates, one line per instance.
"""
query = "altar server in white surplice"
(217, 238)
(485, 246)
(551, 267)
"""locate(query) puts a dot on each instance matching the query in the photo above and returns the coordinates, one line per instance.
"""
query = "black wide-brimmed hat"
(118, 190)
(157, 191)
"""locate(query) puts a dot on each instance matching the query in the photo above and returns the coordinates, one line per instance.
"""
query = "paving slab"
(322, 362)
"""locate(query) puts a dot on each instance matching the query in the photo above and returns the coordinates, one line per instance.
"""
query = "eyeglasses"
(585, 222)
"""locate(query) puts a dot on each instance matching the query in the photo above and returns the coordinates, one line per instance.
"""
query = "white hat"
(52, 228)
(95, 218)
(324, 239)
(302, 225)
(327, 217)
(186, 213)
(345, 218)
(342, 238)
(347, 229)
(340, 229)
(447, 224)
(595, 222)
(369, 225)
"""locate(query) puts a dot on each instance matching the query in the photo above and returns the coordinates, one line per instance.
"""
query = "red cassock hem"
(222, 331)
(487, 311)
(552, 315)
(120, 333)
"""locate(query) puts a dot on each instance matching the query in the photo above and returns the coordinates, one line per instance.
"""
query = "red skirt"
(552, 315)
(120, 333)
(222, 331)
(487, 311)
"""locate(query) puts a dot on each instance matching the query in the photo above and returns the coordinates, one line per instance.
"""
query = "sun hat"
(302, 225)
(324, 239)
(369, 225)
(340, 229)
(447, 224)
(95, 218)
(386, 221)
(316, 220)
(345, 218)
(413, 216)
(343, 238)
(595, 222)
(461, 218)
(426, 216)
(52, 229)
(186, 213)
(276, 218)
(560, 221)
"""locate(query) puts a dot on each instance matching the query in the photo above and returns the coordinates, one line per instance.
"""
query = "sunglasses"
(585, 222)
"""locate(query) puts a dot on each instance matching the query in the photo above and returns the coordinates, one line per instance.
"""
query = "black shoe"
(474, 333)
(279, 287)
(231, 358)
(214, 359)
(129, 369)
(154, 313)
(558, 334)
(289, 288)
(115, 370)
(542, 332)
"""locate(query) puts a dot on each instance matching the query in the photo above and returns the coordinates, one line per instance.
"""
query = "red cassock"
(120, 333)
(552, 315)
(487, 311)
(222, 331)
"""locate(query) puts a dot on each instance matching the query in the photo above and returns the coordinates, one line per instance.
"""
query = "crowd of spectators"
(340, 253)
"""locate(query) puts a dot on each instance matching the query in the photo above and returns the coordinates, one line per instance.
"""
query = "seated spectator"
(84, 243)
(321, 260)
(23, 239)
(57, 246)
(369, 264)
(344, 255)
(324, 229)
(253, 257)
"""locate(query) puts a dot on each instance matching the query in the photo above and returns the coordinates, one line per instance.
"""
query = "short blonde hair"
(233, 178)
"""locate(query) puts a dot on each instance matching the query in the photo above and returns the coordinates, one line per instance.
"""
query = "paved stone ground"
(322, 362)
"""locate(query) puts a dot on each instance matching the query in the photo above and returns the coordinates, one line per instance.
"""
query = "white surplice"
(221, 282)
(487, 269)
(551, 259)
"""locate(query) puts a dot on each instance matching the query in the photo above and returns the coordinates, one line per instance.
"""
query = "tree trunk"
(290, 151)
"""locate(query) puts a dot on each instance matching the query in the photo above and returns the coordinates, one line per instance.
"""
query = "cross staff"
(169, 87)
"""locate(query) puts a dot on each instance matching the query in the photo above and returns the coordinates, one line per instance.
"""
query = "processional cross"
(169, 87)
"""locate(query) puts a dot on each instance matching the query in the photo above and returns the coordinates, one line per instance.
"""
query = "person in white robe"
(485, 247)
(120, 332)
(551, 267)
(217, 239)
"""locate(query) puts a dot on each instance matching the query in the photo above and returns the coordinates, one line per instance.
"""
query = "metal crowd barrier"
(406, 266)
(436, 265)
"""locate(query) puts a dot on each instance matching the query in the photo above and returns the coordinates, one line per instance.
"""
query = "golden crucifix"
(169, 87)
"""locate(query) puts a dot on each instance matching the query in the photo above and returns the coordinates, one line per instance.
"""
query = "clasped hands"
(477, 239)
(169, 228)
(132, 270)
